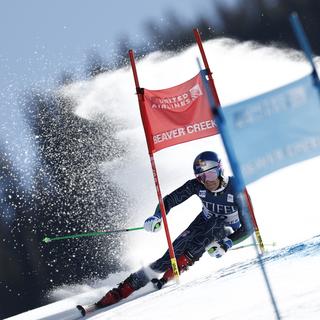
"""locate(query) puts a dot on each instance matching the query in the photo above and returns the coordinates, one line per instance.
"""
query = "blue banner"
(275, 129)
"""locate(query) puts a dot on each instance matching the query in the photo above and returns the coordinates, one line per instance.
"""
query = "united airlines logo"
(177, 102)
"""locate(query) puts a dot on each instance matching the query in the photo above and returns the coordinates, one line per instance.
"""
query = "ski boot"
(134, 282)
(115, 295)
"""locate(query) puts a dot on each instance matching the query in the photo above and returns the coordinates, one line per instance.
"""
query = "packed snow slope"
(236, 291)
(284, 202)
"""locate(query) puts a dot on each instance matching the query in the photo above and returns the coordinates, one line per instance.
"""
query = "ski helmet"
(205, 161)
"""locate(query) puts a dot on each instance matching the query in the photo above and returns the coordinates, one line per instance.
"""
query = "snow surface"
(284, 202)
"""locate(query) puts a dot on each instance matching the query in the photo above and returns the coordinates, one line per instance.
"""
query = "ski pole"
(88, 234)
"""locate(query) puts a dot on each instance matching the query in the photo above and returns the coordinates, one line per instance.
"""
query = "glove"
(153, 224)
(217, 249)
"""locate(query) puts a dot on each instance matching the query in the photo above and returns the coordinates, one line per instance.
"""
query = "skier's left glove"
(217, 249)
(153, 224)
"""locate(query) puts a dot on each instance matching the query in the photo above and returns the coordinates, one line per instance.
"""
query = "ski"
(84, 310)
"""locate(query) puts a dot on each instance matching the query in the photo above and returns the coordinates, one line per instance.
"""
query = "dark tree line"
(268, 21)
(264, 21)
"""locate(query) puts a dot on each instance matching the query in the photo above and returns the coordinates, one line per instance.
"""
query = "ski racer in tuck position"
(219, 225)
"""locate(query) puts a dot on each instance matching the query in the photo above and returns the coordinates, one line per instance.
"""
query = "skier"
(219, 225)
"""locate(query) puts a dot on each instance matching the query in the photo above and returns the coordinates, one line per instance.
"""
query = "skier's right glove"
(217, 249)
(153, 224)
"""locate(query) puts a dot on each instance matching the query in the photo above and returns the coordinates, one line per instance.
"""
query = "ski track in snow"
(227, 288)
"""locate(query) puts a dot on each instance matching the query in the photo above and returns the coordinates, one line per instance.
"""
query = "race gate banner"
(275, 129)
(178, 114)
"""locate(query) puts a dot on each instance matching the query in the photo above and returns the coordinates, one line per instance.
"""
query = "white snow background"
(285, 202)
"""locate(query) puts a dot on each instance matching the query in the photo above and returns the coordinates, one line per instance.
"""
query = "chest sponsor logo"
(219, 209)
(230, 197)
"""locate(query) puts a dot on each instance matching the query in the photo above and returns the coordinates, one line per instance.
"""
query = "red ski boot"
(134, 282)
(115, 295)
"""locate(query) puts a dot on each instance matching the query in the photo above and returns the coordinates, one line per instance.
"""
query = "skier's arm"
(245, 230)
(177, 196)
(240, 235)
(153, 223)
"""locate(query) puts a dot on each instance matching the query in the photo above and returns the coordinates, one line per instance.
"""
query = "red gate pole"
(254, 222)
(139, 91)
(217, 103)
(206, 65)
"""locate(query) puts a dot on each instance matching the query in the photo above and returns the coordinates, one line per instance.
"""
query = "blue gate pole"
(239, 185)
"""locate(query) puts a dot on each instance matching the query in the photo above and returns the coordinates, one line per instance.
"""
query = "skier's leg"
(189, 247)
(181, 245)
(183, 262)
(184, 256)
(134, 282)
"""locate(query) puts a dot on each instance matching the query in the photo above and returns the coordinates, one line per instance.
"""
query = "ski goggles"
(209, 175)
